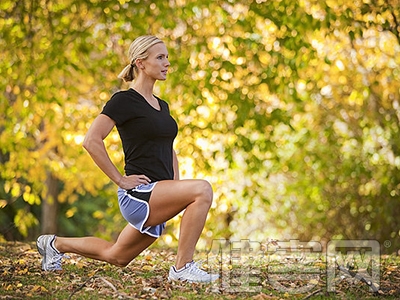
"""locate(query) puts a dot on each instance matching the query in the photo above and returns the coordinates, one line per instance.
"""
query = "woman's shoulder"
(120, 100)
(124, 94)
(119, 107)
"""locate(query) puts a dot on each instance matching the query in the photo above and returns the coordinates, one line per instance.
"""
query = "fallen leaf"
(147, 268)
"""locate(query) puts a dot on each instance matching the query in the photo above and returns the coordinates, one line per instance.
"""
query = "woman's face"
(156, 64)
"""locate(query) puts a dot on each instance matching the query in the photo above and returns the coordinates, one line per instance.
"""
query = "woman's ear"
(139, 64)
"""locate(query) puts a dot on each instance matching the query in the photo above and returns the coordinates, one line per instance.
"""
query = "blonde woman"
(150, 193)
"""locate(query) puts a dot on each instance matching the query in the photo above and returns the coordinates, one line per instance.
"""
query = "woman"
(150, 192)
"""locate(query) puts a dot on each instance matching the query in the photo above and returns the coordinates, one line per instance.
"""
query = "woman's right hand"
(131, 181)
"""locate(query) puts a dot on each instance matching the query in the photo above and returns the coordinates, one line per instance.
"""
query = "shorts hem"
(145, 231)
(153, 231)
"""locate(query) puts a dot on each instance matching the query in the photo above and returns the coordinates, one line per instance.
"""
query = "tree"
(289, 108)
(46, 108)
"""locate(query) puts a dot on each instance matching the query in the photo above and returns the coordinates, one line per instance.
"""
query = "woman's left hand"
(131, 181)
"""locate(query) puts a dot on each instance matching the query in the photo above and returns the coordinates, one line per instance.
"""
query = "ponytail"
(128, 73)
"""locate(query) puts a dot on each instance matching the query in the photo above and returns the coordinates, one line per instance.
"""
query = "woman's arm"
(94, 144)
(175, 165)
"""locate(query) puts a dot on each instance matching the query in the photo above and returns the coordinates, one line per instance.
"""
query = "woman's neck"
(146, 90)
(143, 87)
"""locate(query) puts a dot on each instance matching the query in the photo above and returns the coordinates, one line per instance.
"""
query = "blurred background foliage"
(289, 108)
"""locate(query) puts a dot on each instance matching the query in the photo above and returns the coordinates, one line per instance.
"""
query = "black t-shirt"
(147, 134)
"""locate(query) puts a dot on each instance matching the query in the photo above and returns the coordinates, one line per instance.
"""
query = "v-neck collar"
(158, 100)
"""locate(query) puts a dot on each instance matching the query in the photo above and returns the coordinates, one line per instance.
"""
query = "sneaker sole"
(42, 252)
(190, 281)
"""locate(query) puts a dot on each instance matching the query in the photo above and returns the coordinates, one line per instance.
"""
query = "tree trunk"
(50, 206)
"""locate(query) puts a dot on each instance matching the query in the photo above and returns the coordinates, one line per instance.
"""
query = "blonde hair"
(137, 50)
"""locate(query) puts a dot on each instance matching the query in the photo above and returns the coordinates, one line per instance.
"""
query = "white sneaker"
(51, 257)
(191, 273)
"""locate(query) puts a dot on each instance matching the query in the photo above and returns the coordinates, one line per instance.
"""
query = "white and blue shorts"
(134, 206)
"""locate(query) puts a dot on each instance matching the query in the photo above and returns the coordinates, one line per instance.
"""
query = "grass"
(145, 278)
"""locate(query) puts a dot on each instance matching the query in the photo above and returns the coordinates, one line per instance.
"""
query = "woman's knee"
(113, 257)
(205, 192)
(118, 260)
(122, 263)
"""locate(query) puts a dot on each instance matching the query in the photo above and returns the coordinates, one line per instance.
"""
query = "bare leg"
(129, 244)
(171, 197)
(167, 200)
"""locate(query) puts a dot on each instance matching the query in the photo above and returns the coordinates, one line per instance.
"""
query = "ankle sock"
(53, 246)
(181, 269)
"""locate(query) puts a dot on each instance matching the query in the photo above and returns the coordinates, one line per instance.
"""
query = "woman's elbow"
(87, 143)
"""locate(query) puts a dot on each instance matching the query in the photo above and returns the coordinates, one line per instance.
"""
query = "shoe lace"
(194, 268)
(56, 260)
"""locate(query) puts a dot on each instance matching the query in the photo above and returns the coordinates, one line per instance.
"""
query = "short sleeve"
(118, 108)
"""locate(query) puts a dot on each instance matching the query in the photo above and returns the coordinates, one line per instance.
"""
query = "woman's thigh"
(170, 197)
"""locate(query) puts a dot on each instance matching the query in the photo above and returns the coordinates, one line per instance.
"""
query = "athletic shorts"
(134, 206)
